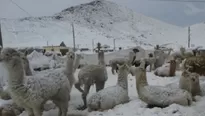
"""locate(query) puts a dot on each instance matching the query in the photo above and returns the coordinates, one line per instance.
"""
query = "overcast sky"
(181, 14)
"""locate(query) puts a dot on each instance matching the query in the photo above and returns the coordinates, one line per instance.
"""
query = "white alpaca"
(110, 97)
(159, 96)
(190, 82)
(4, 89)
(77, 61)
(92, 74)
(113, 63)
(31, 93)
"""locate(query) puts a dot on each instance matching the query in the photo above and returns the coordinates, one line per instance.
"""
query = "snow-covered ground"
(136, 107)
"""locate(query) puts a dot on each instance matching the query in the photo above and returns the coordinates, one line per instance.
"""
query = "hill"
(98, 21)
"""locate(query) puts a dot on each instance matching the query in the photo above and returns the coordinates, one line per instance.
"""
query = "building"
(61, 48)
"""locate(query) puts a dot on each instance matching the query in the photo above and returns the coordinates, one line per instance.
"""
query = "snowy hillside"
(100, 20)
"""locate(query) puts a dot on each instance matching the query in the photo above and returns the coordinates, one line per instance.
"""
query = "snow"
(38, 60)
(102, 22)
(135, 107)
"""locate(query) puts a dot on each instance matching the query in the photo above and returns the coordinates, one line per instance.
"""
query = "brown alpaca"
(172, 68)
(167, 70)
(195, 64)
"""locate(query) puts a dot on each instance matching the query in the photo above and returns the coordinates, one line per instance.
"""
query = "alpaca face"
(71, 55)
(9, 54)
(193, 77)
(124, 67)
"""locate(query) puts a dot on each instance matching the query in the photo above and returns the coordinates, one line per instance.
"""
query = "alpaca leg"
(29, 111)
(77, 86)
(99, 85)
(64, 108)
(37, 111)
(59, 108)
(84, 96)
(113, 70)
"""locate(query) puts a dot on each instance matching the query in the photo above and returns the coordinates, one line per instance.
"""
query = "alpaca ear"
(118, 66)
(26, 53)
(185, 73)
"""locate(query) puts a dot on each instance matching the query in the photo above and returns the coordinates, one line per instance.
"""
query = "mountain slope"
(100, 20)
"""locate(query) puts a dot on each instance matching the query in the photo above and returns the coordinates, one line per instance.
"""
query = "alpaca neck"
(69, 67)
(76, 64)
(28, 71)
(16, 77)
(69, 71)
(172, 68)
(141, 81)
(122, 79)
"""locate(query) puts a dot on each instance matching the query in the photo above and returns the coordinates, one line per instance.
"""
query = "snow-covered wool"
(159, 96)
(190, 82)
(195, 64)
(92, 74)
(31, 93)
(110, 97)
(3, 91)
(69, 70)
(166, 70)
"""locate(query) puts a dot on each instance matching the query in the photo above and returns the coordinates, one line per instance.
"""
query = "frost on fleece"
(33, 92)
(110, 97)
(158, 95)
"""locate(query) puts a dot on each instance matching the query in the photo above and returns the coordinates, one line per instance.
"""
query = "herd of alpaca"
(30, 91)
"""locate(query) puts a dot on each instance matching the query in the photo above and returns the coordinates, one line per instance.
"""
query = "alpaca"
(160, 57)
(195, 64)
(4, 94)
(31, 93)
(69, 69)
(188, 81)
(131, 58)
(26, 64)
(159, 96)
(92, 74)
(113, 63)
(77, 61)
(167, 70)
(109, 97)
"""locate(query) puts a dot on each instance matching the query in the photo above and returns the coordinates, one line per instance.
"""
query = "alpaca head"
(124, 68)
(193, 77)
(70, 55)
(10, 57)
(139, 71)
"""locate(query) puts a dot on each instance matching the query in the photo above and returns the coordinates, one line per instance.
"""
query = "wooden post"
(189, 37)
(93, 44)
(73, 37)
(1, 39)
(114, 44)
